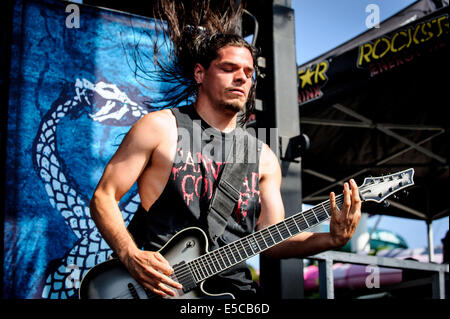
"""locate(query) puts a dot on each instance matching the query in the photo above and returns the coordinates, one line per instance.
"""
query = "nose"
(240, 76)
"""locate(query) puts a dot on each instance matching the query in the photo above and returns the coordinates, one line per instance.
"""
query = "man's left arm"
(342, 224)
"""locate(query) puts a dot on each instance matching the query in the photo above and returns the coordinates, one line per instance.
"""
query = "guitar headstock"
(377, 189)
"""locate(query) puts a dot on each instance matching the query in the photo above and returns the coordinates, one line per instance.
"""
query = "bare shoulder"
(154, 127)
(158, 120)
(269, 165)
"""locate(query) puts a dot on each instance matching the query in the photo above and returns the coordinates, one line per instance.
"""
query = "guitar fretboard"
(238, 251)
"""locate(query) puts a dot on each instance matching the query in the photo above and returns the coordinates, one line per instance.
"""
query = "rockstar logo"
(313, 78)
(313, 74)
(306, 77)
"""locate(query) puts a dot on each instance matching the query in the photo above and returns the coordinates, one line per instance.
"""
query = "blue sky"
(321, 25)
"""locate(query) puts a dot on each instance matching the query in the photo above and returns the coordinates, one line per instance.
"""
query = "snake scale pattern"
(90, 248)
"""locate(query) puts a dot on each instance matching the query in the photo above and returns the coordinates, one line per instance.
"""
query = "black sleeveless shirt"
(200, 156)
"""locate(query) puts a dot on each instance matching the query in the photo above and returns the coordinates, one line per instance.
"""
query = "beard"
(234, 106)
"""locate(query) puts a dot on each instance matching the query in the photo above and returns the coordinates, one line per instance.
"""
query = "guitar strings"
(202, 266)
(126, 294)
(200, 270)
(318, 212)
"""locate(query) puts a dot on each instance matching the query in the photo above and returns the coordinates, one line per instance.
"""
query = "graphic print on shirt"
(197, 176)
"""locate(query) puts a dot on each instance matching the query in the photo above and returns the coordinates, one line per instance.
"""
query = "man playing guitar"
(223, 76)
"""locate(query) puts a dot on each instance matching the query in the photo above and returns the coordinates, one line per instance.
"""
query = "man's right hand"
(152, 271)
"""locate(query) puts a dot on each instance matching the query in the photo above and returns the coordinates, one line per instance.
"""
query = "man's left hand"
(344, 222)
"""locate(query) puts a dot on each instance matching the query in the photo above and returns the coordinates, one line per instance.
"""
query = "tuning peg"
(395, 197)
(405, 192)
(386, 204)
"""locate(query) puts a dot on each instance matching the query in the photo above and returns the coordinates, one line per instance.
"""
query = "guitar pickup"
(184, 276)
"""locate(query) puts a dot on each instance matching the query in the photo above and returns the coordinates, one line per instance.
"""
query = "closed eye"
(231, 67)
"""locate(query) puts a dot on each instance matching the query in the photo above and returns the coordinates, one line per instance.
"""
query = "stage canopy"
(378, 104)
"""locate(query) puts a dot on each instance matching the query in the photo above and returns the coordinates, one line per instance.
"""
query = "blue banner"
(74, 94)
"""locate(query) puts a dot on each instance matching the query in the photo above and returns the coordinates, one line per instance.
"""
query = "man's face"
(227, 81)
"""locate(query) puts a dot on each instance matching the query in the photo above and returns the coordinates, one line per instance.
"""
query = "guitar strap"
(227, 192)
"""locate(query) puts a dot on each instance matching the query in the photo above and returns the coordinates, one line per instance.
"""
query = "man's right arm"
(122, 171)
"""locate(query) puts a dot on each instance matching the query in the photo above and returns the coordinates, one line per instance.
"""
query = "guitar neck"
(238, 251)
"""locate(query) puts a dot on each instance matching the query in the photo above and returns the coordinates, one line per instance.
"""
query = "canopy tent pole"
(372, 231)
(430, 241)
(429, 222)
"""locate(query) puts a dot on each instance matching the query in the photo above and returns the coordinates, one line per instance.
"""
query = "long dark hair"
(196, 30)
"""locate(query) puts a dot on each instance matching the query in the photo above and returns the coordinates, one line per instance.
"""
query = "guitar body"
(111, 280)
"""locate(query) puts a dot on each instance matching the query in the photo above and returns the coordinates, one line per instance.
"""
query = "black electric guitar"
(187, 251)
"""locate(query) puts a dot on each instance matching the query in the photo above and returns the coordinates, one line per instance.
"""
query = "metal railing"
(326, 278)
